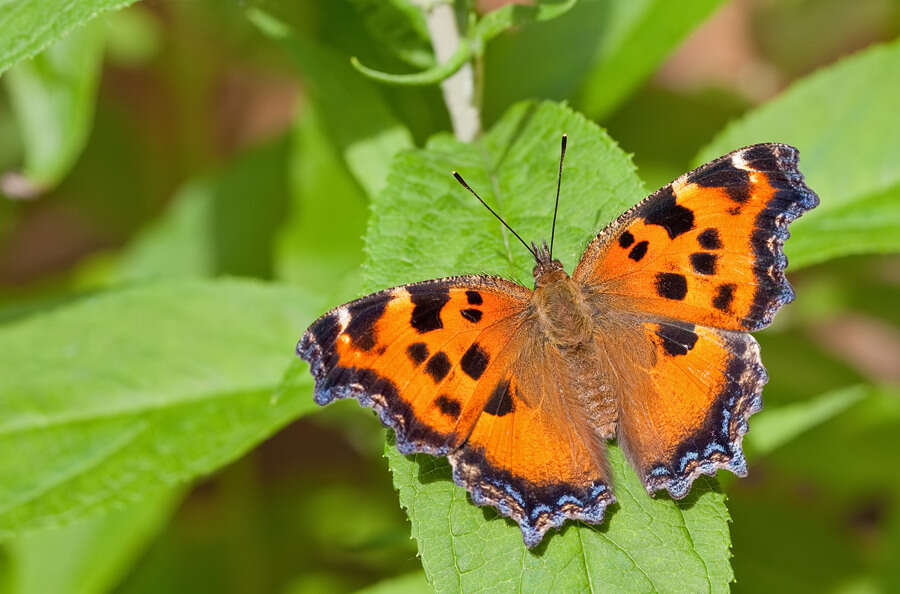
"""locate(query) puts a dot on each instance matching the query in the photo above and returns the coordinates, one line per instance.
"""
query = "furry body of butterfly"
(646, 342)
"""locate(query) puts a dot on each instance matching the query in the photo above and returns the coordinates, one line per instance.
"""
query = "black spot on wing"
(709, 239)
(471, 314)
(664, 211)
(626, 239)
(364, 315)
(428, 301)
(724, 297)
(677, 340)
(501, 401)
(438, 366)
(474, 361)
(474, 298)
(325, 330)
(671, 286)
(448, 406)
(704, 263)
(761, 158)
(724, 175)
(417, 352)
(639, 251)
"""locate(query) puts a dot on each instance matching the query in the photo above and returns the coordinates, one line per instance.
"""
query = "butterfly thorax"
(559, 306)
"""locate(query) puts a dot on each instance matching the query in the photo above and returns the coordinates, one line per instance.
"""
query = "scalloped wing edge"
(542, 508)
(740, 398)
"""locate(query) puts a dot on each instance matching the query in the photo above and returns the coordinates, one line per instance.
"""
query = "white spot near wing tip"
(343, 317)
(739, 162)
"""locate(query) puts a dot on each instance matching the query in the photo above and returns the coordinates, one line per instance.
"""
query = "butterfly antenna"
(562, 155)
(499, 218)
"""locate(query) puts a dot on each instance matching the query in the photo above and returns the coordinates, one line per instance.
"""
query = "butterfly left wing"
(456, 367)
(696, 265)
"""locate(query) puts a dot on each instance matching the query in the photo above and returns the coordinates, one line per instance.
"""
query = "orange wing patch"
(415, 354)
(689, 416)
(707, 248)
(537, 460)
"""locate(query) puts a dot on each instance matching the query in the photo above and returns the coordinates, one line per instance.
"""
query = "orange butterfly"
(646, 343)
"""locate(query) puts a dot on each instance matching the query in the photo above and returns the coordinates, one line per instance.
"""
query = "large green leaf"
(425, 225)
(53, 97)
(28, 26)
(844, 121)
(119, 394)
(90, 555)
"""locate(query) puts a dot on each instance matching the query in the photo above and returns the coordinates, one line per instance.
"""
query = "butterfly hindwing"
(688, 413)
(532, 454)
(707, 248)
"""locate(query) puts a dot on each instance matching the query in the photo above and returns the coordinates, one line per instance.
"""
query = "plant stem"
(460, 94)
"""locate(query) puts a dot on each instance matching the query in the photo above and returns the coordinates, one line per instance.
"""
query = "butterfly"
(646, 343)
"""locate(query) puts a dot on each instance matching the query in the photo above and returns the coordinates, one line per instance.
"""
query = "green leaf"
(640, 37)
(53, 97)
(119, 394)
(29, 26)
(355, 114)
(314, 248)
(180, 244)
(610, 46)
(491, 25)
(861, 443)
(223, 223)
(92, 554)
(775, 427)
(411, 583)
(399, 27)
(843, 120)
(424, 225)
(518, 15)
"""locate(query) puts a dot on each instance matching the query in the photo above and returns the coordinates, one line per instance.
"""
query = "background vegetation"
(186, 185)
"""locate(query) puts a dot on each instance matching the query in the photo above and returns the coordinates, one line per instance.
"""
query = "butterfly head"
(547, 270)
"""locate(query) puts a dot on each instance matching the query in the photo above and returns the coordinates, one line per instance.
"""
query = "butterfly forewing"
(707, 248)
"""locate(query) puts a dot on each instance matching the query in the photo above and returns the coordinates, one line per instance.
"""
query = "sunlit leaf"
(122, 393)
(28, 26)
(90, 555)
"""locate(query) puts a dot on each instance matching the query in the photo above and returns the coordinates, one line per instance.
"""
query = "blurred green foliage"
(156, 433)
